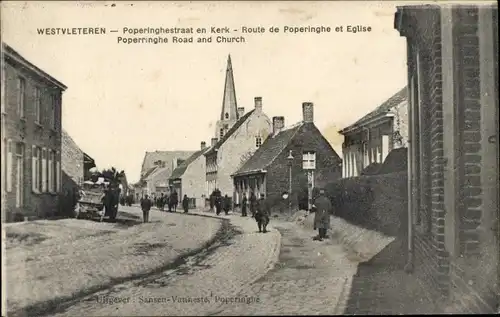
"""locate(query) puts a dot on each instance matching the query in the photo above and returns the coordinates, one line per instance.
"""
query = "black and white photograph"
(240, 158)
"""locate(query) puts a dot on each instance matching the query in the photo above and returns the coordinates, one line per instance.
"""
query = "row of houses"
(249, 152)
(41, 163)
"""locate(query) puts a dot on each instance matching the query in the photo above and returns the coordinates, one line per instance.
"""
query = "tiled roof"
(149, 172)
(269, 150)
(179, 171)
(395, 100)
(233, 129)
(167, 156)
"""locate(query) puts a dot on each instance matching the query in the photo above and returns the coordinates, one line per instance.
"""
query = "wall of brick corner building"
(37, 205)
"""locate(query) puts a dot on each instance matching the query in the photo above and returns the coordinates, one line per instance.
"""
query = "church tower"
(229, 113)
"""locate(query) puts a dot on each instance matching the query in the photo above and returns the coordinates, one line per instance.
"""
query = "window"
(58, 173)
(44, 170)
(19, 174)
(258, 141)
(38, 105)
(36, 169)
(309, 160)
(221, 134)
(50, 168)
(227, 115)
(3, 89)
(9, 166)
(21, 100)
(53, 105)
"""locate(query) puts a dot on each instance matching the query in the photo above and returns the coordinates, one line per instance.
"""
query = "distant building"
(88, 164)
(313, 162)
(237, 136)
(189, 177)
(452, 68)
(31, 138)
(156, 170)
(370, 139)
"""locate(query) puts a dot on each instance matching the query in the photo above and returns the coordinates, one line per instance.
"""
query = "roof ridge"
(297, 126)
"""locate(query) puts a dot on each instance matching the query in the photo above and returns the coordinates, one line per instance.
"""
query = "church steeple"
(229, 110)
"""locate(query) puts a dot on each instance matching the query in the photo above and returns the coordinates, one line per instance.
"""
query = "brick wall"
(29, 133)
(71, 158)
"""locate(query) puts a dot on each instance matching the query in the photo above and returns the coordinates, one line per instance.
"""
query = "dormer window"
(258, 141)
(227, 115)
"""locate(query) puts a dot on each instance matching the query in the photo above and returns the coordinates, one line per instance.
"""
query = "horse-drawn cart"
(91, 202)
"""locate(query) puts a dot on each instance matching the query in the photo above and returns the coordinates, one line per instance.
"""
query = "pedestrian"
(218, 203)
(146, 207)
(322, 208)
(263, 214)
(185, 203)
(226, 205)
(244, 202)
(175, 201)
(212, 201)
(253, 204)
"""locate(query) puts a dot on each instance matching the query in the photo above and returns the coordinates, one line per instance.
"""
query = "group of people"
(260, 209)
(171, 201)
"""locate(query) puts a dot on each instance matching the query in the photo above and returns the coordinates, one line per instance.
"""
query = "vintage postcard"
(249, 158)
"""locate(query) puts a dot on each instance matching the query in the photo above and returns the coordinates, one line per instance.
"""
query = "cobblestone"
(222, 274)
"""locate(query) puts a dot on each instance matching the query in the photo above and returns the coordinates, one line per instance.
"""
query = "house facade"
(370, 139)
(157, 168)
(453, 157)
(189, 178)
(294, 159)
(240, 141)
(31, 138)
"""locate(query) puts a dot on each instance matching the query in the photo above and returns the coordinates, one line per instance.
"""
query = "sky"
(125, 99)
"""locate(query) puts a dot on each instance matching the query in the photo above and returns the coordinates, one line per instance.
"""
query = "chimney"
(308, 112)
(214, 140)
(241, 112)
(203, 145)
(278, 124)
(258, 103)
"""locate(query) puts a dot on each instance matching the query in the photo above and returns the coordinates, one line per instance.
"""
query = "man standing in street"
(253, 204)
(244, 205)
(263, 214)
(146, 207)
(322, 208)
(185, 203)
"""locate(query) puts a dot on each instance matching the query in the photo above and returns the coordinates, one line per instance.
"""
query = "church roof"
(229, 103)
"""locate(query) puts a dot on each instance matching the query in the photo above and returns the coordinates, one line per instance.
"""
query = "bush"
(377, 202)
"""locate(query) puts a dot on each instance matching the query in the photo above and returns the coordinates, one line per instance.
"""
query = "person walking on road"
(244, 202)
(253, 204)
(227, 205)
(185, 203)
(218, 203)
(263, 214)
(322, 207)
(146, 207)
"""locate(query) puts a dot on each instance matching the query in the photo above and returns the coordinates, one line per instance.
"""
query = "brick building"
(296, 157)
(31, 138)
(189, 178)
(237, 136)
(370, 139)
(453, 154)
(72, 160)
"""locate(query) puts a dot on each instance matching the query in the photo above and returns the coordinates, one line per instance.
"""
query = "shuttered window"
(44, 170)
(58, 174)
(50, 170)
(9, 163)
(35, 165)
